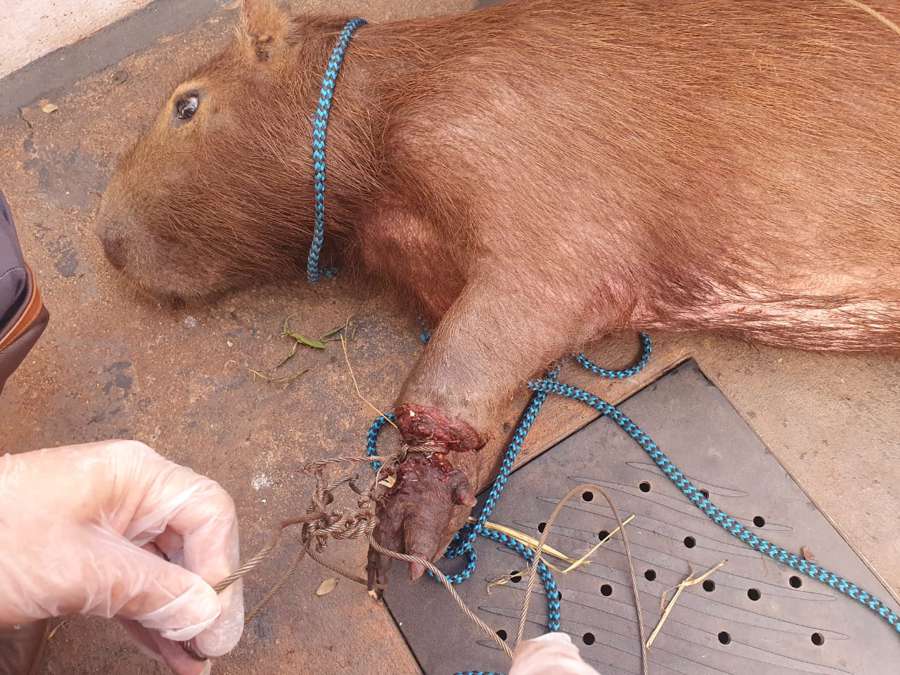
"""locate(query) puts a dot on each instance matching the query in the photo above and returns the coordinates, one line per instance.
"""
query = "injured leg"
(450, 402)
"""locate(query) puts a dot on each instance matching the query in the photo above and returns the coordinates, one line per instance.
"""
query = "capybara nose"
(113, 246)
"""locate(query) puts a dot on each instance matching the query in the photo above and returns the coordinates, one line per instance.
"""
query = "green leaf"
(303, 340)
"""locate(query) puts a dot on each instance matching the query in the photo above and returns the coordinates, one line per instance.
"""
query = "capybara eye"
(187, 105)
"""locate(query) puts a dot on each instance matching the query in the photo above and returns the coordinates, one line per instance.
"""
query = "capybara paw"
(414, 514)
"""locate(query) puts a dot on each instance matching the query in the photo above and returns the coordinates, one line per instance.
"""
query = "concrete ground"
(45, 25)
(114, 365)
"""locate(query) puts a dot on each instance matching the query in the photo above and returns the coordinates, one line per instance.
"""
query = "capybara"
(532, 176)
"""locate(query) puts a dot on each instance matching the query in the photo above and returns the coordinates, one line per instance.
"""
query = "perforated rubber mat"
(754, 617)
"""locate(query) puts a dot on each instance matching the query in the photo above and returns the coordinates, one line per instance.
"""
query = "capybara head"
(219, 190)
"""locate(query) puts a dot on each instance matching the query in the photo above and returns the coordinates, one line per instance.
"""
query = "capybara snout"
(218, 191)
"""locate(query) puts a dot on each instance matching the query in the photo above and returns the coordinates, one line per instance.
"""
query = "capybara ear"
(263, 29)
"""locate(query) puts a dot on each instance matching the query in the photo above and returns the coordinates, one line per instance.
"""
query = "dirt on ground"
(113, 364)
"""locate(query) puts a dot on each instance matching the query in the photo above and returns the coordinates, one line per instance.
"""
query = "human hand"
(113, 529)
(551, 653)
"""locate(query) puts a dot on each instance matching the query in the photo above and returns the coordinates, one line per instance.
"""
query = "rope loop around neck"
(319, 139)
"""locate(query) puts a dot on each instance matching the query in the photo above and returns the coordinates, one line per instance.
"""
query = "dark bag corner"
(23, 316)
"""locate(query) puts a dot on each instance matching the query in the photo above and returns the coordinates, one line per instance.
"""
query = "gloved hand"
(113, 529)
(552, 653)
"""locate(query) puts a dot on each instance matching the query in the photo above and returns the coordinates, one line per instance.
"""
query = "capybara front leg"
(486, 347)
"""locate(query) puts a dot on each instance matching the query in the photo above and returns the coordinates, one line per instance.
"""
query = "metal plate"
(700, 431)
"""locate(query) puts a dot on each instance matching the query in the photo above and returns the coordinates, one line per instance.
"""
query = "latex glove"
(83, 529)
(551, 653)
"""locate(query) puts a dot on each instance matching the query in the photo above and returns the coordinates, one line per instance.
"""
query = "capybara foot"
(414, 514)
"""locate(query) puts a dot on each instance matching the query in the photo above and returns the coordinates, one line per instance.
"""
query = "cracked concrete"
(112, 364)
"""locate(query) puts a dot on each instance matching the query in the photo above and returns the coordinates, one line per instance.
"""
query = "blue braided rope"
(372, 436)
(319, 138)
(646, 351)
(424, 331)
(724, 520)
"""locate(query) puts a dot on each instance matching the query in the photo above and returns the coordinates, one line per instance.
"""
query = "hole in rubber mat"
(770, 624)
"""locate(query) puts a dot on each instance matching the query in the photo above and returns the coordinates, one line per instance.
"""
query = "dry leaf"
(807, 554)
(278, 380)
(49, 107)
(327, 586)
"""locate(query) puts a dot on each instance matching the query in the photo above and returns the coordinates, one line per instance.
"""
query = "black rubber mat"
(755, 617)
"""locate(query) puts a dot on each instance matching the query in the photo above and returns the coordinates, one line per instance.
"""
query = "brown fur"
(539, 173)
